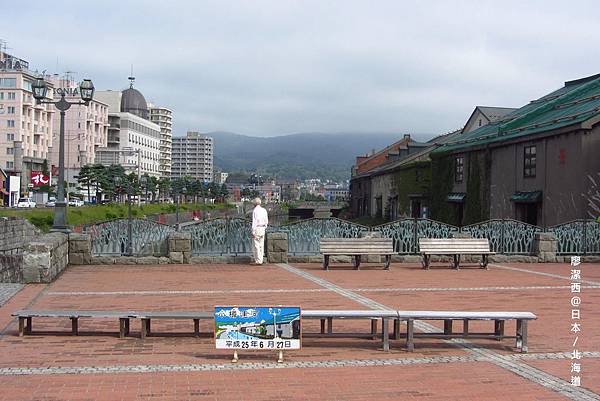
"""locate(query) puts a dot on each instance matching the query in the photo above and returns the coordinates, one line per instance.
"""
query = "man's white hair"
(257, 201)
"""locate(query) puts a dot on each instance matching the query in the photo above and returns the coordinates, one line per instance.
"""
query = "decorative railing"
(406, 232)
(221, 236)
(232, 236)
(505, 236)
(304, 235)
(578, 237)
(111, 237)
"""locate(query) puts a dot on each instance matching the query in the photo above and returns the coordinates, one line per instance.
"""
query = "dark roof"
(574, 103)
(495, 113)
(132, 101)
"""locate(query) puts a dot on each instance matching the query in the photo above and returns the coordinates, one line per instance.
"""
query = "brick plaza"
(173, 365)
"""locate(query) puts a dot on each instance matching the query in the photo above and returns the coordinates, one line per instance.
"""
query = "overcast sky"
(277, 67)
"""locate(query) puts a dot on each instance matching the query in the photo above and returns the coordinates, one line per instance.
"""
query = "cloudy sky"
(277, 67)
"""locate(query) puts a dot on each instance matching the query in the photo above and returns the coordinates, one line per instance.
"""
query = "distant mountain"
(304, 155)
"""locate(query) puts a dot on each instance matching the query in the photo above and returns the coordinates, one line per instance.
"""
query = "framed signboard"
(268, 328)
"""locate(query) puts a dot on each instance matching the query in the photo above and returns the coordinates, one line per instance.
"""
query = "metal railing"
(232, 236)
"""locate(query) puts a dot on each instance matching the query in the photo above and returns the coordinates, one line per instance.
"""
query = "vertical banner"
(268, 328)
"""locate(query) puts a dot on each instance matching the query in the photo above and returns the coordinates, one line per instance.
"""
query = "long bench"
(326, 317)
(449, 317)
(26, 316)
(374, 315)
(146, 318)
(356, 247)
(454, 247)
(25, 319)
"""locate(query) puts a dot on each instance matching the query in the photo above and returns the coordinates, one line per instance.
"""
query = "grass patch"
(43, 218)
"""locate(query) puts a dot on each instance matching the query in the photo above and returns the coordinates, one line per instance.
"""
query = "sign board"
(268, 328)
(38, 179)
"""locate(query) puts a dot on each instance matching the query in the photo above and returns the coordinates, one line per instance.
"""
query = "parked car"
(26, 202)
(76, 202)
(51, 202)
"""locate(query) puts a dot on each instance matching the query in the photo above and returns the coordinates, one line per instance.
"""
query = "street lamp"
(40, 90)
(178, 191)
(274, 312)
(129, 248)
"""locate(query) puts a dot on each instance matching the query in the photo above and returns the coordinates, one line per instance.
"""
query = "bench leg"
(144, 329)
(197, 327)
(122, 327)
(28, 327)
(456, 262)
(466, 327)
(426, 260)
(374, 329)
(448, 326)
(322, 326)
(499, 329)
(484, 261)
(396, 329)
(410, 329)
(329, 325)
(522, 335)
(388, 261)
(356, 262)
(524, 348)
(127, 326)
(74, 326)
(21, 326)
(385, 334)
(325, 262)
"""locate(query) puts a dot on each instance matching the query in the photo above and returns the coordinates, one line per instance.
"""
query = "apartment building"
(192, 156)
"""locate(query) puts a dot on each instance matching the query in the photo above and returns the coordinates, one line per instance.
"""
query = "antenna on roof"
(131, 78)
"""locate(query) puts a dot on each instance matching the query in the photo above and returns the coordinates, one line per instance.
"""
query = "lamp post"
(178, 191)
(129, 248)
(274, 312)
(86, 91)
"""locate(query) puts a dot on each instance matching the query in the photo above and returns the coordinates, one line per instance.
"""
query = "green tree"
(84, 179)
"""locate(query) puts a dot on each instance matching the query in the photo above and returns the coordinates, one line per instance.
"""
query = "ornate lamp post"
(178, 192)
(86, 91)
(129, 249)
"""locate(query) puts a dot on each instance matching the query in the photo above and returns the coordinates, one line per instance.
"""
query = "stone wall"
(545, 246)
(80, 249)
(180, 247)
(11, 268)
(277, 247)
(15, 232)
(45, 257)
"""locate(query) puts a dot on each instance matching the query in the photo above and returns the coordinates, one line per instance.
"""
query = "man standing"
(260, 219)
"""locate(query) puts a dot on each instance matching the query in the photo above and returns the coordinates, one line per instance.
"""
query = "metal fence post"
(502, 236)
(416, 236)
(584, 245)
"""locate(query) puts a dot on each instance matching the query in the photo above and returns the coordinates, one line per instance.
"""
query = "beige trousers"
(258, 245)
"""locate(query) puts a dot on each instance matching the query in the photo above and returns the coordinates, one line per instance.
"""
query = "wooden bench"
(450, 316)
(374, 315)
(146, 318)
(455, 247)
(356, 247)
(26, 316)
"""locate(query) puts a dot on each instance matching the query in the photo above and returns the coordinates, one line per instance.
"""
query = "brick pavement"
(104, 366)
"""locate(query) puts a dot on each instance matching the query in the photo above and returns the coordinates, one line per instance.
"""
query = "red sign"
(38, 179)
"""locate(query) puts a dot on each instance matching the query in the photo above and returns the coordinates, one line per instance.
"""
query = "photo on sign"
(275, 327)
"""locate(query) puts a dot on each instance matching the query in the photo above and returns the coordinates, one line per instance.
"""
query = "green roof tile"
(574, 103)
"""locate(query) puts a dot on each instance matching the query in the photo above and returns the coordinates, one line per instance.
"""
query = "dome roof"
(132, 101)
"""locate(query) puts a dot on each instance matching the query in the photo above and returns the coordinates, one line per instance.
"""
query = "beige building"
(193, 157)
(86, 129)
(163, 117)
(25, 128)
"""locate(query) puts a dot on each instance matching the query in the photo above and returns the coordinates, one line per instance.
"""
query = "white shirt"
(260, 217)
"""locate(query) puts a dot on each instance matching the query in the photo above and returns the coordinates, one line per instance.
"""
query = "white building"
(192, 156)
(164, 118)
(133, 140)
(220, 177)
